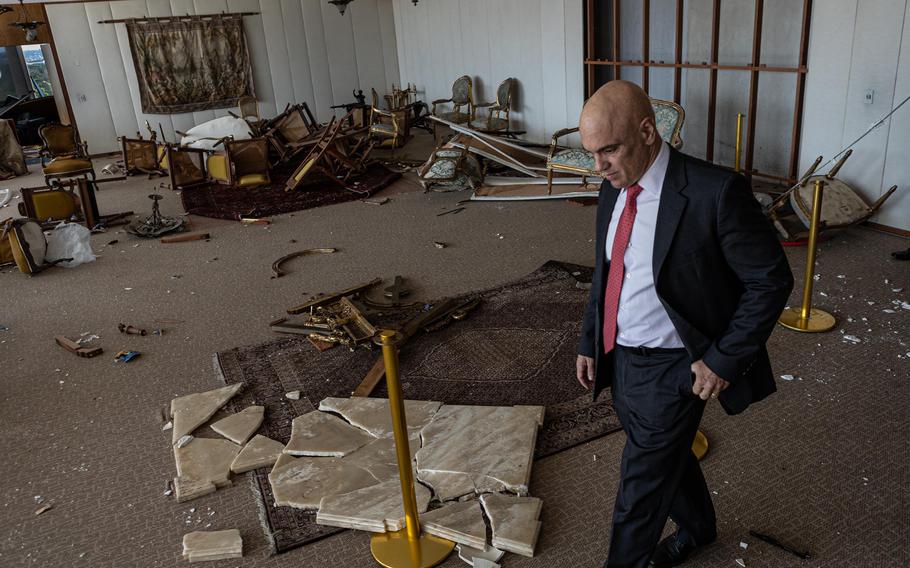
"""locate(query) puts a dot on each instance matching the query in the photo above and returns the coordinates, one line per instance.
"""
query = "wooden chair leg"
(549, 181)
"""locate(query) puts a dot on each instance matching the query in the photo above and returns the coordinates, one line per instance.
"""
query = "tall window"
(37, 70)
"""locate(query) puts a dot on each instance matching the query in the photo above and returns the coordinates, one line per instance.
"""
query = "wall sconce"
(30, 27)
(342, 5)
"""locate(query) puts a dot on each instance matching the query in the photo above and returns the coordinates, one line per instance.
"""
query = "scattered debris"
(851, 339)
(741, 562)
(323, 299)
(212, 545)
(439, 245)
(382, 201)
(582, 285)
(187, 489)
(192, 410)
(293, 395)
(774, 542)
(155, 224)
(787, 377)
(276, 266)
(6, 195)
(239, 427)
(456, 211)
(126, 356)
(44, 509)
(111, 170)
(186, 237)
(743, 545)
(74, 347)
(86, 338)
(184, 441)
(3, 328)
(167, 426)
(253, 221)
(131, 330)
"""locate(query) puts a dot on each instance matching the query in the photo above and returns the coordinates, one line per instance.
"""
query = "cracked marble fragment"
(212, 545)
(187, 489)
(321, 434)
(460, 522)
(375, 509)
(259, 452)
(380, 458)
(487, 448)
(193, 410)
(514, 521)
(374, 415)
(240, 426)
(303, 482)
(207, 459)
(470, 555)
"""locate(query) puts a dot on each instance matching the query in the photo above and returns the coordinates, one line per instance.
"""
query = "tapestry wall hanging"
(190, 64)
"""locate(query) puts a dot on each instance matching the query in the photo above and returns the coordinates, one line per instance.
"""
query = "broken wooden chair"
(668, 118)
(68, 157)
(291, 131)
(497, 119)
(141, 156)
(451, 169)
(388, 127)
(186, 166)
(243, 163)
(318, 159)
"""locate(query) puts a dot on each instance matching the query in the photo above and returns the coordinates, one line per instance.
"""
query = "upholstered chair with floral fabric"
(498, 113)
(462, 102)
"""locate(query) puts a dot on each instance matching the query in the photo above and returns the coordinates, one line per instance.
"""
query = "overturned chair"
(289, 132)
(68, 157)
(243, 163)
(668, 116)
(141, 156)
(451, 169)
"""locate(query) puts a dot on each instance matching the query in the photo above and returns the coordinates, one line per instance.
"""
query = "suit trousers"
(659, 475)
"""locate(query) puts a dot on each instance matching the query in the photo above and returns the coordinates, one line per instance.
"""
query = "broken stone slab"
(212, 545)
(460, 522)
(375, 509)
(380, 457)
(491, 445)
(514, 521)
(304, 482)
(193, 410)
(259, 452)
(470, 555)
(187, 489)
(239, 427)
(207, 459)
(374, 415)
(448, 485)
(321, 434)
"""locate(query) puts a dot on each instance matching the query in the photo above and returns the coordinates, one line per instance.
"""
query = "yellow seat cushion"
(54, 205)
(218, 167)
(252, 179)
(162, 157)
(65, 165)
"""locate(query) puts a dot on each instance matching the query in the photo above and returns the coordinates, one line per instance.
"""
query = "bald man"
(688, 283)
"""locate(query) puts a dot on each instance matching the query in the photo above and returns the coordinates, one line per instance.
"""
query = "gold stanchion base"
(819, 320)
(700, 445)
(394, 550)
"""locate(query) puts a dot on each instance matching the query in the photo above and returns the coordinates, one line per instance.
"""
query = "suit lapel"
(672, 205)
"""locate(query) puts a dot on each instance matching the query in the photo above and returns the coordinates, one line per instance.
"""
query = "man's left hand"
(707, 383)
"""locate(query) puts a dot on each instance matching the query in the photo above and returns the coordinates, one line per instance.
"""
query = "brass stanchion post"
(806, 318)
(739, 141)
(406, 548)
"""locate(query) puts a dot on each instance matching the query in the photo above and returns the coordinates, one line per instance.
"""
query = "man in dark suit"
(680, 319)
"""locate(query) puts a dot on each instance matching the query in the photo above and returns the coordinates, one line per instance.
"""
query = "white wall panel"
(896, 211)
(292, 61)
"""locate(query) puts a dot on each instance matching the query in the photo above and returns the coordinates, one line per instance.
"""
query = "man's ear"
(648, 130)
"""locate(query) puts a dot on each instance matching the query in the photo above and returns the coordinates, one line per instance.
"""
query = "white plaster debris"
(184, 441)
(897, 290)
(743, 545)
(841, 276)
(816, 277)
(167, 426)
(887, 311)
(293, 395)
(852, 339)
(787, 377)
(741, 562)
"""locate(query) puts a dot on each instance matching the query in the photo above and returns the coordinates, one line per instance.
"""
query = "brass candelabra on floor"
(806, 318)
(406, 548)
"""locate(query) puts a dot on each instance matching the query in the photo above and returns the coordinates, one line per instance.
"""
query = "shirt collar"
(653, 180)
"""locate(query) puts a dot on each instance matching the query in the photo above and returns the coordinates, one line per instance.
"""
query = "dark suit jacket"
(719, 271)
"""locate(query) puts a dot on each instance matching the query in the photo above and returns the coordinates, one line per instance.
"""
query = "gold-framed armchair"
(141, 156)
(497, 119)
(243, 163)
(185, 166)
(668, 118)
(388, 127)
(68, 157)
(451, 169)
(462, 96)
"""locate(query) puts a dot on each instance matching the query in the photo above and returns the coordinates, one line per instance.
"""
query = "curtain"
(190, 64)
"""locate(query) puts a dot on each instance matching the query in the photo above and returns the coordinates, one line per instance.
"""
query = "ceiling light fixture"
(30, 27)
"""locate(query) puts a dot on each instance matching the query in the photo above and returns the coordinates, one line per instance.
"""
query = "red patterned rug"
(222, 202)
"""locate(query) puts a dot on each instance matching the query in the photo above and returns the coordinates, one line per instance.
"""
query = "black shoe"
(671, 552)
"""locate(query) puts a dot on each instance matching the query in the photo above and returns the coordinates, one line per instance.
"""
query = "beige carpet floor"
(821, 465)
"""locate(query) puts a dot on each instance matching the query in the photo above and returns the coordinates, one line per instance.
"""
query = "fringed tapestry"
(190, 64)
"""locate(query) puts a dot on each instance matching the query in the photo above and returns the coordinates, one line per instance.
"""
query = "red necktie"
(617, 266)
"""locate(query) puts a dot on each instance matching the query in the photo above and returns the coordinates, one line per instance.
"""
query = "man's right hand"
(584, 371)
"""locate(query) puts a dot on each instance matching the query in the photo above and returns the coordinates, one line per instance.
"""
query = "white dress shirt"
(642, 320)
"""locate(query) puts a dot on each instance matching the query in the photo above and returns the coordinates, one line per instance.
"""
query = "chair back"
(248, 156)
(462, 90)
(249, 107)
(669, 118)
(504, 93)
(59, 139)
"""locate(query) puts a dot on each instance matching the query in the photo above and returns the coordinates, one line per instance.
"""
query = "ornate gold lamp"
(807, 319)
(406, 548)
